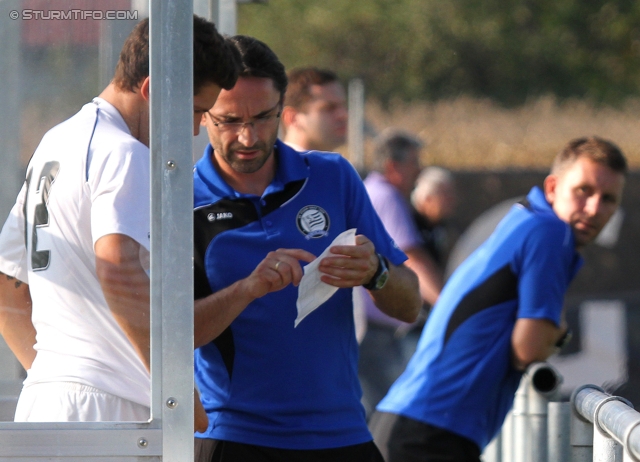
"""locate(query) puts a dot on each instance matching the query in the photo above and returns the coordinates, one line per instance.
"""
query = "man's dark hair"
(597, 149)
(301, 80)
(133, 65)
(214, 59)
(395, 145)
(258, 60)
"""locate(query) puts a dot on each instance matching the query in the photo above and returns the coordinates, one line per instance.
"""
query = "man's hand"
(15, 319)
(355, 265)
(200, 419)
(350, 265)
(278, 269)
(213, 314)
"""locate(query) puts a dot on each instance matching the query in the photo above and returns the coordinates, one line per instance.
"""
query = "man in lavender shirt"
(384, 352)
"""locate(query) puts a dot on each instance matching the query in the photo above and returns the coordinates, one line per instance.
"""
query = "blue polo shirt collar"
(539, 202)
(291, 166)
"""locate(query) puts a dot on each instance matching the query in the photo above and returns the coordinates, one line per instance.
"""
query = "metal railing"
(594, 426)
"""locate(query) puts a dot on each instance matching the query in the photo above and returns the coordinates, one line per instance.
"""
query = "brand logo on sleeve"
(313, 221)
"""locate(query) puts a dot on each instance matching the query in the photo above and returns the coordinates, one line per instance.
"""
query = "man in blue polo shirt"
(500, 311)
(273, 391)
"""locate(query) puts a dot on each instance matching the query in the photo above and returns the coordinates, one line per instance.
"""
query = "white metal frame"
(604, 427)
(356, 123)
(594, 427)
(168, 436)
(171, 277)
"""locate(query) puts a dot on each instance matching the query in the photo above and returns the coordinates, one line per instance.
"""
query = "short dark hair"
(258, 60)
(599, 150)
(301, 80)
(133, 65)
(214, 59)
(395, 145)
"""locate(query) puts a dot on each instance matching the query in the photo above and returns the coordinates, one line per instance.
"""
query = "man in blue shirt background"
(501, 310)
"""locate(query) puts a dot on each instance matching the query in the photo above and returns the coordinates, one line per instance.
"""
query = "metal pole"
(520, 422)
(543, 382)
(356, 123)
(493, 451)
(605, 448)
(632, 444)
(204, 9)
(171, 72)
(506, 436)
(581, 439)
(224, 13)
(614, 418)
(537, 425)
(11, 172)
(581, 431)
(559, 443)
(10, 92)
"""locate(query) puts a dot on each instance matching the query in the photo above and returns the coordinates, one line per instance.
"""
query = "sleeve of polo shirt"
(120, 194)
(544, 273)
(364, 218)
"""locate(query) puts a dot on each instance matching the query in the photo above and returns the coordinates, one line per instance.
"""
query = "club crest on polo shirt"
(313, 221)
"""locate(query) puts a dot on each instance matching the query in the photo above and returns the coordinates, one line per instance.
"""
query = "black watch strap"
(566, 338)
(381, 275)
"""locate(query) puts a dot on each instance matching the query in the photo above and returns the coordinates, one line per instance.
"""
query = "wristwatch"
(381, 275)
(566, 338)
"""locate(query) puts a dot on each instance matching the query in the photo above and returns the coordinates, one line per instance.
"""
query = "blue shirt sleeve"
(544, 267)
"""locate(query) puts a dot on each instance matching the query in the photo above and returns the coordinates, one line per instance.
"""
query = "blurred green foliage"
(508, 50)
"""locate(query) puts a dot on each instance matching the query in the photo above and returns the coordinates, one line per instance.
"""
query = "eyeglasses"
(257, 123)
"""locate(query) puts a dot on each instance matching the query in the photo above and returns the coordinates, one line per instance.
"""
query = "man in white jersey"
(74, 293)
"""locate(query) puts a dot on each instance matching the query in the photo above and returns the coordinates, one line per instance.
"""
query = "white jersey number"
(40, 258)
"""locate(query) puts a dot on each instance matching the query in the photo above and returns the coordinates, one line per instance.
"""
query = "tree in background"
(508, 50)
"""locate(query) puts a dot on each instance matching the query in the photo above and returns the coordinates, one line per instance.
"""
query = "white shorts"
(74, 402)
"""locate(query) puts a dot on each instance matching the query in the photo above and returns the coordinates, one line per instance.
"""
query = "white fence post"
(493, 451)
(524, 436)
(543, 383)
(558, 441)
(594, 427)
(605, 448)
(519, 412)
(581, 439)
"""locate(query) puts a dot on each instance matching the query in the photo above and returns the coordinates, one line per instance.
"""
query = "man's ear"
(144, 89)
(288, 116)
(550, 183)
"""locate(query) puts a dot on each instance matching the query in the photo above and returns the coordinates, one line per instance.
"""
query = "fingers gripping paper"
(312, 292)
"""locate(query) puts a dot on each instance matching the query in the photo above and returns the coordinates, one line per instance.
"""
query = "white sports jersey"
(88, 178)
